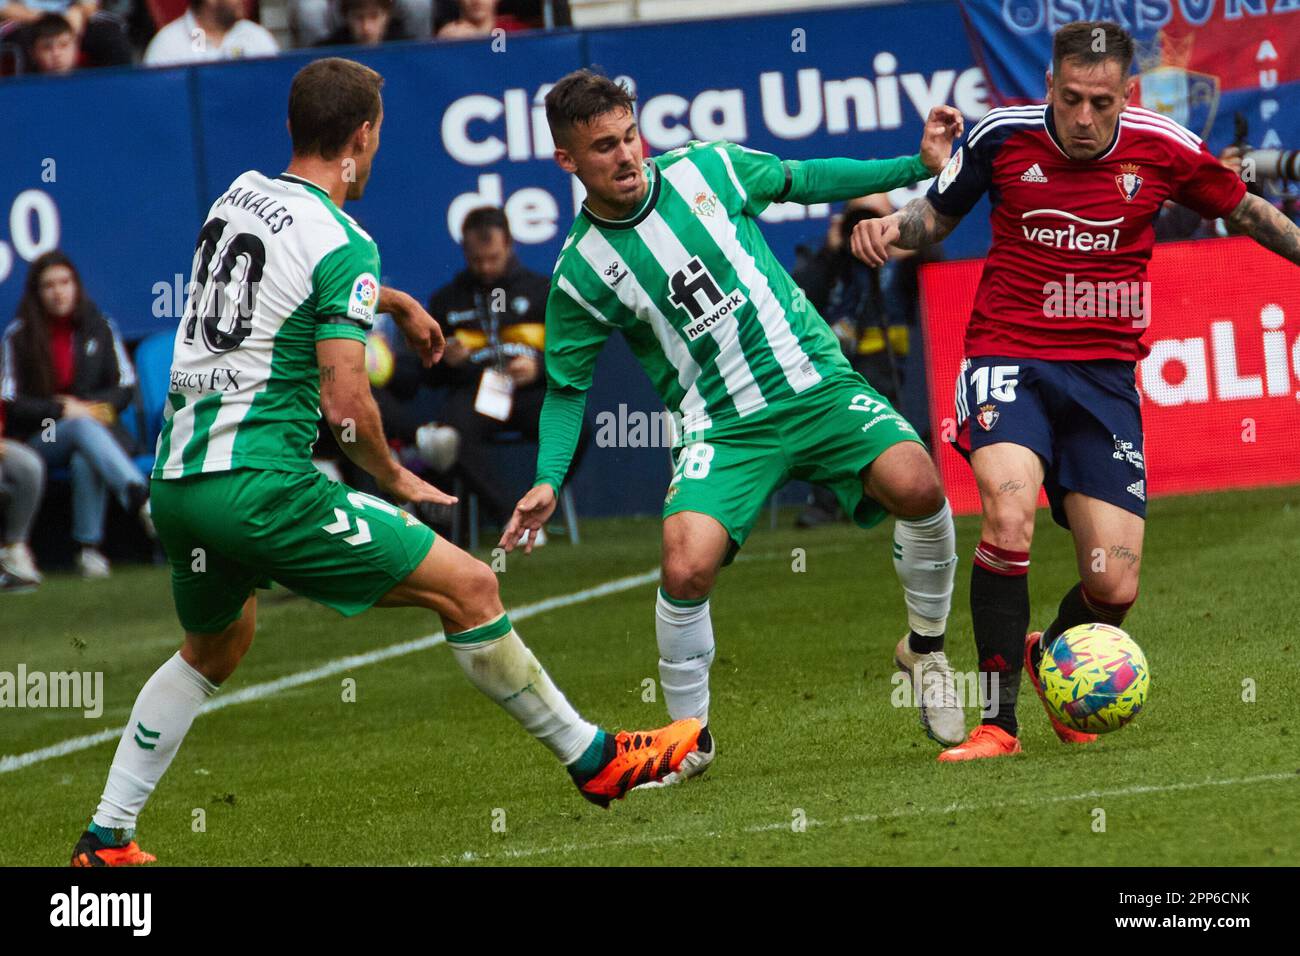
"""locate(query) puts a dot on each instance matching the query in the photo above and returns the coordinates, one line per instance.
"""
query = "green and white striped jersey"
(714, 319)
(277, 267)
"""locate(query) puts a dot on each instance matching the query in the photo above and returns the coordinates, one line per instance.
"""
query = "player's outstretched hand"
(942, 128)
(421, 331)
(871, 239)
(405, 485)
(533, 511)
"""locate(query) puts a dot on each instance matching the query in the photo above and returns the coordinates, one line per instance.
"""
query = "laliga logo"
(1190, 356)
(367, 292)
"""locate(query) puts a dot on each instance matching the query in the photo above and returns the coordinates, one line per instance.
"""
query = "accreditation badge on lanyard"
(496, 395)
(496, 389)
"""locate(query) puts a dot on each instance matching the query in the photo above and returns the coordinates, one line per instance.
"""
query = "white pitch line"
(470, 856)
(10, 763)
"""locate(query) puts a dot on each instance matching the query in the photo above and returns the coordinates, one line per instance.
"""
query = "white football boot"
(931, 678)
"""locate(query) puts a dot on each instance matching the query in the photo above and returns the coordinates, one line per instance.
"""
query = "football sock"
(684, 631)
(602, 749)
(925, 560)
(162, 715)
(999, 606)
(923, 644)
(1080, 607)
(496, 662)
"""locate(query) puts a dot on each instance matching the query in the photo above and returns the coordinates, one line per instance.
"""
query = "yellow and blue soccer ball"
(379, 359)
(1095, 678)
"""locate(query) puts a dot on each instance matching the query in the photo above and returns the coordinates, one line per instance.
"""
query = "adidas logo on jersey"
(1033, 175)
(1139, 489)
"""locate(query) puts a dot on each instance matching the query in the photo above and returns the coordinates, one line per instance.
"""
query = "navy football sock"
(999, 604)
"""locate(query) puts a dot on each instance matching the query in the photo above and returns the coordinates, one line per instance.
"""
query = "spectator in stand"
(64, 378)
(367, 23)
(210, 30)
(316, 21)
(529, 14)
(493, 315)
(478, 18)
(22, 484)
(52, 46)
(99, 38)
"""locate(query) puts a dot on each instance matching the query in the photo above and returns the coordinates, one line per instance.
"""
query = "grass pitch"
(815, 765)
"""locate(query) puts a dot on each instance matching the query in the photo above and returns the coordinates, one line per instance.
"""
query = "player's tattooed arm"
(920, 224)
(915, 225)
(1264, 222)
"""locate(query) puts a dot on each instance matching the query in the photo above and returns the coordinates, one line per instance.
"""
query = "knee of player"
(481, 593)
(921, 497)
(1009, 526)
(216, 656)
(1114, 593)
(687, 580)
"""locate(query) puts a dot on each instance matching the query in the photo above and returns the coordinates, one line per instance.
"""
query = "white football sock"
(925, 559)
(496, 662)
(686, 649)
(162, 715)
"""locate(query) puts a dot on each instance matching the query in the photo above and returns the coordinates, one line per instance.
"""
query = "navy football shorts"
(1083, 419)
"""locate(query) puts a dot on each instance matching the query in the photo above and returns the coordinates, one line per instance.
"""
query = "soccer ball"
(379, 360)
(1095, 678)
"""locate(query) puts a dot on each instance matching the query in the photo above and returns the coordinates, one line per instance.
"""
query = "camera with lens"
(1277, 167)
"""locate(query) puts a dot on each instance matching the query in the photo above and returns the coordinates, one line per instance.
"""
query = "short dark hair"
(1091, 42)
(483, 220)
(329, 99)
(348, 7)
(49, 25)
(580, 97)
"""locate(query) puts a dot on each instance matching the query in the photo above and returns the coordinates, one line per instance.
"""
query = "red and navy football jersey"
(1059, 222)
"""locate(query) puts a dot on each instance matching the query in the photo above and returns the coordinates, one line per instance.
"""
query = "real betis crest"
(706, 204)
(1128, 180)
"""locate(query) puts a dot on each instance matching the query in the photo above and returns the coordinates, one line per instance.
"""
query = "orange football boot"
(92, 851)
(639, 757)
(1068, 735)
(986, 740)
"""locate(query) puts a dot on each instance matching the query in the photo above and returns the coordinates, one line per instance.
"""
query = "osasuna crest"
(1188, 98)
(1128, 180)
(988, 416)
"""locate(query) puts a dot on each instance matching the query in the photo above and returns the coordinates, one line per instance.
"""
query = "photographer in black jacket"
(493, 315)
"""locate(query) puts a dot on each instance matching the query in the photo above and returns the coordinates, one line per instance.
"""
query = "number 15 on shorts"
(997, 380)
